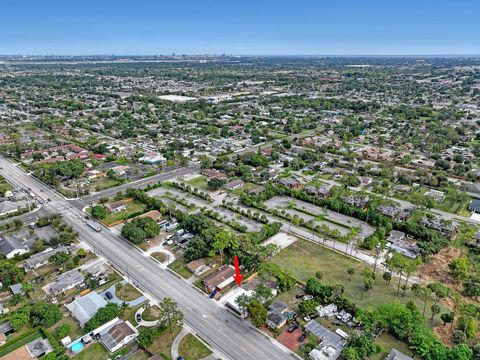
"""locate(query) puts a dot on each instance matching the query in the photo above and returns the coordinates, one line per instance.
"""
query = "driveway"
(118, 301)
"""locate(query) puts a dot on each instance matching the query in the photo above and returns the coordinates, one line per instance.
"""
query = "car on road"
(302, 337)
(138, 317)
(180, 358)
(109, 295)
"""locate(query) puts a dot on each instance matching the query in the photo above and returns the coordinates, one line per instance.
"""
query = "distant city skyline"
(304, 27)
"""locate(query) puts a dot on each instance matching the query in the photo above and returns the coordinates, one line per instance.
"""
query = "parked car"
(138, 317)
(307, 318)
(307, 297)
(109, 295)
(302, 337)
(293, 326)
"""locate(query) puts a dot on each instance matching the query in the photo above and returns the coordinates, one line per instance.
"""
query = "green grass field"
(93, 352)
(127, 293)
(388, 342)
(179, 267)
(104, 183)
(304, 259)
(199, 182)
(132, 207)
(192, 349)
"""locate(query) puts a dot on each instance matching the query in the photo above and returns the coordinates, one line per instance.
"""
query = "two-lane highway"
(234, 338)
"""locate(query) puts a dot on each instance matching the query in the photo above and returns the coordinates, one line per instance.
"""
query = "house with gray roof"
(85, 307)
(397, 355)
(43, 257)
(11, 246)
(65, 281)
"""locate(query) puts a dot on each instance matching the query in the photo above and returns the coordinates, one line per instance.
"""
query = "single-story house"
(198, 266)
(10, 246)
(474, 206)
(219, 279)
(85, 307)
(41, 258)
(276, 317)
(397, 355)
(118, 335)
(65, 281)
(436, 195)
(17, 289)
(233, 185)
(33, 350)
(116, 206)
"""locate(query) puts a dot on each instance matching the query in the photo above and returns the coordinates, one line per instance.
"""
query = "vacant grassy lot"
(162, 257)
(104, 183)
(199, 182)
(132, 207)
(127, 292)
(163, 343)
(152, 313)
(192, 349)
(179, 267)
(304, 259)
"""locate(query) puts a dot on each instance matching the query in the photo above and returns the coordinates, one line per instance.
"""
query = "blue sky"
(333, 27)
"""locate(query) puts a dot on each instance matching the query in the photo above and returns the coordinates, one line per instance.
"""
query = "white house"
(118, 335)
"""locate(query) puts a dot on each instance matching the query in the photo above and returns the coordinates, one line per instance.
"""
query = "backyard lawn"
(388, 342)
(192, 349)
(304, 259)
(132, 207)
(93, 352)
(75, 329)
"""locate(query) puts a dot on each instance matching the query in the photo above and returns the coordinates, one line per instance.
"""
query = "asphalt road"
(229, 335)
(94, 197)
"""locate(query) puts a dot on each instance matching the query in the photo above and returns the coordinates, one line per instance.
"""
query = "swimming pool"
(77, 347)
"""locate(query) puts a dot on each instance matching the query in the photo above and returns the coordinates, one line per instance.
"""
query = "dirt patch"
(444, 333)
(437, 269)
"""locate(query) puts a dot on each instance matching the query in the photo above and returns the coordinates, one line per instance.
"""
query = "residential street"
(234, 338)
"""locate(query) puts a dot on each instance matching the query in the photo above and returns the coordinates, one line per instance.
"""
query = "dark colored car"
(302, 337)
(109, 295)
(138, 317)
(180, 358)
(293, 326)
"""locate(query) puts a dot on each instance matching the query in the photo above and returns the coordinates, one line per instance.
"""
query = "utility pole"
(378, 249)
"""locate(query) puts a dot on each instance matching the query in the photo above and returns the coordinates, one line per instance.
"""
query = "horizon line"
(249, 55)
